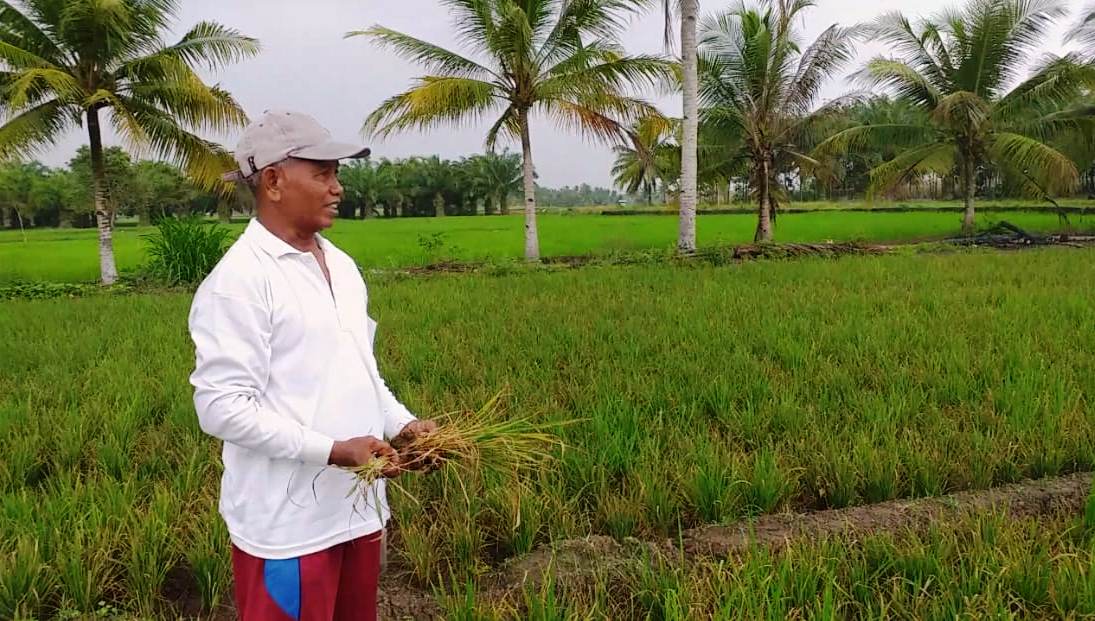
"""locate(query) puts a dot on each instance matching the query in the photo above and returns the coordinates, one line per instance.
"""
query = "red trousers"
(336, 584)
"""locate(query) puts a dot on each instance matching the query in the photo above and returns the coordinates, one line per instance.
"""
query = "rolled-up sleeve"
(232, 344)
(396, 415)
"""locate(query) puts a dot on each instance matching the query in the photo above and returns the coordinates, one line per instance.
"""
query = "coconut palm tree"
(66, 62)
(689, 11)
(957, 67)
(758, 88)
(555, 57)
(640, 165)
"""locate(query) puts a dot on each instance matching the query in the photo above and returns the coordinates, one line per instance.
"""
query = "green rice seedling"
(420, 551)
(1089, 511)
(209, 559)
(149, 555)
(709, 481)
(658, 496)
(26, 580)
(516, 517)
(768, 485)
(84, 566)
(543, 602)
(619, 513)
(460, 601)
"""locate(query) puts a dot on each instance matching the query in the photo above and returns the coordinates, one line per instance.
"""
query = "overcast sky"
(306, 65)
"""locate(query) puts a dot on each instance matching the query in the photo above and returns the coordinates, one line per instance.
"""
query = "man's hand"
(410, 459)
(361, 450)
(411, 431)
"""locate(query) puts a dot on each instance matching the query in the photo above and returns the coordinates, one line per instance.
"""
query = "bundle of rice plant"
(475, 441)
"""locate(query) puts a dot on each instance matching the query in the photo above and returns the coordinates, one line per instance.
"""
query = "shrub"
(184, 251)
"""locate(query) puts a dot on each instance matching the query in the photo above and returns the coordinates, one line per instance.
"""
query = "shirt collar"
(272, 244)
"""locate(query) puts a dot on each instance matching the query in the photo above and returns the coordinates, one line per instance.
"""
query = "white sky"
(306, 65)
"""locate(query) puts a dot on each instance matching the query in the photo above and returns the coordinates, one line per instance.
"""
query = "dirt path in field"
(576, 560)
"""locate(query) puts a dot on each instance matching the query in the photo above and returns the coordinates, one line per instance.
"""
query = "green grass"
(709, 394)
(981, 568)
(838, 205)
(72, 255)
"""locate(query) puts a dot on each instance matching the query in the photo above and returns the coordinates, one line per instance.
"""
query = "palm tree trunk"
(764, 200)
(108, 272)
(532, 239)
(224, 210)
(503, 204)
(438, 205)
(686, 239)
(969, 185)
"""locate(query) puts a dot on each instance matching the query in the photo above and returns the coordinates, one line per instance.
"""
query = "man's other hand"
(414, 460)
(361, 450)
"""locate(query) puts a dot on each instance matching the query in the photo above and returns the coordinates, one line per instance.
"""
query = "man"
(286, 377)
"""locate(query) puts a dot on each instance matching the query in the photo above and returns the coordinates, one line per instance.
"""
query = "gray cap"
(280, 134)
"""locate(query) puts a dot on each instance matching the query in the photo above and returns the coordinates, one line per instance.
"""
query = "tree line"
(962, 109)
(34, 195)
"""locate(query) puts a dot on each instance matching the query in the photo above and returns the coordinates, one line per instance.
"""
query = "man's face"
(307, 193)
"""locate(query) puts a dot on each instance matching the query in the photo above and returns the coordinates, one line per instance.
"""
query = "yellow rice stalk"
(474, 441)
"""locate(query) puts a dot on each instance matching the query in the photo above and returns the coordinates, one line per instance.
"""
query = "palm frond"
(475, 24)
(203, 161)
(997, 36)
(34, 129)
(1075, 124)
(924, 51)
(514, 40)
(832, 49)
(866, 137)
(190, 101)
(24, 33)
(213, 45)
(1052, 170)
(1056, 84)
(30, 86)
(432, 101)
(583, 20)
(506, 124)
(435, 59)
(605, 72)
(935, 158)
(901, 78)
(1083, 31)
(16, 57)
(595, 117)
(122, 118)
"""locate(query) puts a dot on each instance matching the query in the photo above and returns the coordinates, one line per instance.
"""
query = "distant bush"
(184, 251)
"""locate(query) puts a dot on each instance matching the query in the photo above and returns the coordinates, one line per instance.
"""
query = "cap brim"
(235, 175)
(331, 151)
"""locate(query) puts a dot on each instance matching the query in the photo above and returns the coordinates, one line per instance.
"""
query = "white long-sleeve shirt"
(284, 367)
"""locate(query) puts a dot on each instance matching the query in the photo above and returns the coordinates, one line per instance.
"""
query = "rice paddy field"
(70, 255)
(704, 394)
